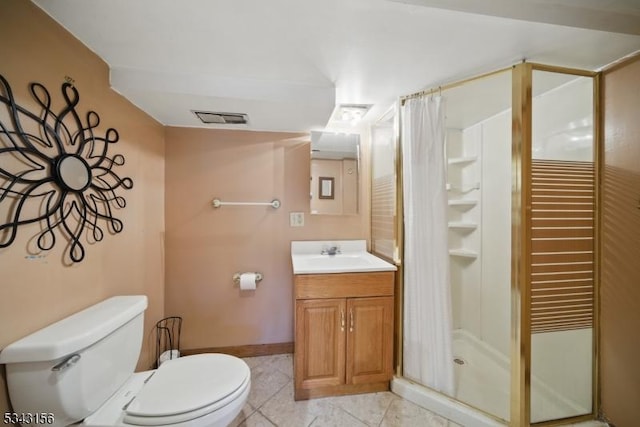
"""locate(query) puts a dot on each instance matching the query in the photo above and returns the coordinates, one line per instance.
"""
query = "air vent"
(210, 117)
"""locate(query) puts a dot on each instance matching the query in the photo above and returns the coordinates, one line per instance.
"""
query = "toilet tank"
(73, 366)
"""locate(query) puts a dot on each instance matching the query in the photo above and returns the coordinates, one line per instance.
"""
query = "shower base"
(482, 381)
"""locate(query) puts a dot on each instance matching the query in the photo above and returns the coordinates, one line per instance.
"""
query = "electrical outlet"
(296, 219)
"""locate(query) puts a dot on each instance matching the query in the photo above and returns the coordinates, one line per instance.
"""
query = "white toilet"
(80, 369)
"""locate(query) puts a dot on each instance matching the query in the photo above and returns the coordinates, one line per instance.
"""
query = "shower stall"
(519, 170)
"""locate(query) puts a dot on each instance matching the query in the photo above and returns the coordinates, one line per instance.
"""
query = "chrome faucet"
(330, 250)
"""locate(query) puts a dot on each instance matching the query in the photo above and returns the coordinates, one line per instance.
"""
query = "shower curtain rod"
(536, 66)
(431, 91)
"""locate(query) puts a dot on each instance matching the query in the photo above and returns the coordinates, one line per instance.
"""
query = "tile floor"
(271, 403)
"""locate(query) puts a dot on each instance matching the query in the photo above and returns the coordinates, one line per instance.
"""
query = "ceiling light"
(350, 112)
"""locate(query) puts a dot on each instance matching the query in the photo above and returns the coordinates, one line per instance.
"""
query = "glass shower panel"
(562, 246)
(478, 142)
(384, 241)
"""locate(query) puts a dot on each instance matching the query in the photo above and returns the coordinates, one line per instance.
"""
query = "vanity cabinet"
(343, 333)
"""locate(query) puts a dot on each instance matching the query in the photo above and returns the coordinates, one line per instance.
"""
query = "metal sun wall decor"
(55, 171)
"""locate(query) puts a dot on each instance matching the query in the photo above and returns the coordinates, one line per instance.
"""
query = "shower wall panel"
(481, 286)
(496, 226)
(463, 175)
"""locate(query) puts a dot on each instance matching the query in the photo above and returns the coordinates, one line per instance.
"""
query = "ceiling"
(288, 63)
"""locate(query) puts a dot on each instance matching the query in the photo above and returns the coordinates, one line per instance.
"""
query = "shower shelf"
(463, 203)
(464, 253)
(463, 225)
(462, 160)
(459, 189)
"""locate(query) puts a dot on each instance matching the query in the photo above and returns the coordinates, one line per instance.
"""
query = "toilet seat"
(187, 388)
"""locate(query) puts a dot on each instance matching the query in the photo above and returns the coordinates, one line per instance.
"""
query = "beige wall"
(35, 293)
(206, 246)
(620, 276)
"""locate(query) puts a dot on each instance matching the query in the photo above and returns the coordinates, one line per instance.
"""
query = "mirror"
(73, 173)
(334, 173)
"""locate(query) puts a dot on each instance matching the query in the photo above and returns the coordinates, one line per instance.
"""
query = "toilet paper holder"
(236, 277)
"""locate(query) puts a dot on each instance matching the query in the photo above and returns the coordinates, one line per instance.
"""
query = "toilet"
(80, 370)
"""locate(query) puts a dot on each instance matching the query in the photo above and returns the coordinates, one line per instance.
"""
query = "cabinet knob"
(342, 320)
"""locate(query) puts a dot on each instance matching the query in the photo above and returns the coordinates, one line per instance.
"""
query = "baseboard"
(245, 350)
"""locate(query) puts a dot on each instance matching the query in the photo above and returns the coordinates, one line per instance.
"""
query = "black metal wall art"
(55, 171)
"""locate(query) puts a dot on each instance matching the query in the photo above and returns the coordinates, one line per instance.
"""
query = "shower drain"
(458, 361)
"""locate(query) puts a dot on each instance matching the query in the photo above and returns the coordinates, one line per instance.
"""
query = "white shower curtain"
(427, 300)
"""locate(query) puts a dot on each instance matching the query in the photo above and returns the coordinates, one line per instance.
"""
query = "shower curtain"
(427, 300)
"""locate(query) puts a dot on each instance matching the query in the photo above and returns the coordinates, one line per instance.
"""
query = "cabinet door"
(320, 343)
(369, 340)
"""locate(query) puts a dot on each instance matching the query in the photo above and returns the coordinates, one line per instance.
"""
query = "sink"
(307, 258)
(339, 261)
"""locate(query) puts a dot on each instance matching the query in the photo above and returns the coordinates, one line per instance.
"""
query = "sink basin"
(340, 260)
(306, 258)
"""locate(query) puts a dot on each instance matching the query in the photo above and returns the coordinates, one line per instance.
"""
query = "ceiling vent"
(210, 117)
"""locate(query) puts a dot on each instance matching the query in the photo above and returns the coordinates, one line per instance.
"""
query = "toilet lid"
(189, 383)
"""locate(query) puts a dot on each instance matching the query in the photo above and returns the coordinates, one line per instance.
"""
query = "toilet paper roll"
(248, 281)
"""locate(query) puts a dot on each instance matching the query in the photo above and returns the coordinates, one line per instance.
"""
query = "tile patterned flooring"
(271, 403)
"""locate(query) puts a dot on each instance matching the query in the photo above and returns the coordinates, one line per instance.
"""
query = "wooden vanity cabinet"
(343, 333)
